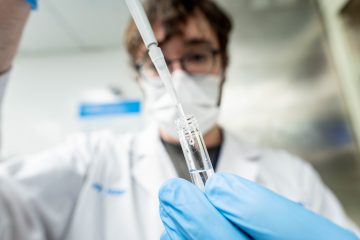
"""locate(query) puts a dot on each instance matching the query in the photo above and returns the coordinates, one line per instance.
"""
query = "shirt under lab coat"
(105, 186)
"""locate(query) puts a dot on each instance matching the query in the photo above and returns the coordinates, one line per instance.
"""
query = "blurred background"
(293, 82)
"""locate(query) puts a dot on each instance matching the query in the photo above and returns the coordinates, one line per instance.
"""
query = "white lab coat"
(104, 186)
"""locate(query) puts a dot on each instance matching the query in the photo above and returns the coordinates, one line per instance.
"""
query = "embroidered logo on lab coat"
(98, 187)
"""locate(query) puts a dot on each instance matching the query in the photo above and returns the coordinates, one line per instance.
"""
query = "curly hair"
(172, 14)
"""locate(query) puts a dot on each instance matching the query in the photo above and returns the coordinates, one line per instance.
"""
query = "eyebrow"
(192, 42)
(197, 41)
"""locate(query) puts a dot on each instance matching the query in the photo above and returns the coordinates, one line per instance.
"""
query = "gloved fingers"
(171, 230)
(264, 214)
(187, 213)
(165, 236)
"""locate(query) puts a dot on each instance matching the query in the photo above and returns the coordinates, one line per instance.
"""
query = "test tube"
(194, 149)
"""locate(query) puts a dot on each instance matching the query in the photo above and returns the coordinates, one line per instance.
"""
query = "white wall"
(41, 103)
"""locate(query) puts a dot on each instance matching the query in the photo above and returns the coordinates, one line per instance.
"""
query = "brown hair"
(172, 14)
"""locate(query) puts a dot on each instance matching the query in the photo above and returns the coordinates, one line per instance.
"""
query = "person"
(241, 209)
(104, 185)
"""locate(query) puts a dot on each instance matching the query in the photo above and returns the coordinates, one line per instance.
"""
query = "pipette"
(191, 140)
(138, 13)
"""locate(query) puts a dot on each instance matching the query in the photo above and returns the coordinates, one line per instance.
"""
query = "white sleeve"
(320, 199)
(38, 193)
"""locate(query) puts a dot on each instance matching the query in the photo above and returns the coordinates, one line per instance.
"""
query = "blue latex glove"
(264, 214)
(250, 207)
(187, 214)
(32, 3)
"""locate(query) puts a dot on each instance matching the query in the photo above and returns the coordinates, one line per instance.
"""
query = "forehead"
(196, 31)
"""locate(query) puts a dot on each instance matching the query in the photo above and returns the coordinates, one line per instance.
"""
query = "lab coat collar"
(239, 158)
(151, 164)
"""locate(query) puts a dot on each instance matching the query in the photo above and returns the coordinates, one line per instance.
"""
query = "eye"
(198, 58)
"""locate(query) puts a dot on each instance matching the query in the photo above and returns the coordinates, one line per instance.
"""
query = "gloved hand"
(32, 3)
(253, 209)
(187, 214)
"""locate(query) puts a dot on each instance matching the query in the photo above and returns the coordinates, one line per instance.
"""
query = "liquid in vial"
(199, 177)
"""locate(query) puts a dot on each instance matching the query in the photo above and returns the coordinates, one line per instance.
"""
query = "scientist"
(241, 210)
(105, 186)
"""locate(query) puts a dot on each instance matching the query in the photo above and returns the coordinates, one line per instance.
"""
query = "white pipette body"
(157, 57)
(138, 13)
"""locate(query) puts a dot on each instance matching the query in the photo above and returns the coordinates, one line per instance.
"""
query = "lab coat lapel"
(152, 165)
(238, 158)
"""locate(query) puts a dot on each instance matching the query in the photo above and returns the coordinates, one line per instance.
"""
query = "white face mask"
(199, 96)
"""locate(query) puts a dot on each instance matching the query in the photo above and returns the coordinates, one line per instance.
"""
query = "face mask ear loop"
(223, 79)
(142, 79)
(142, 90)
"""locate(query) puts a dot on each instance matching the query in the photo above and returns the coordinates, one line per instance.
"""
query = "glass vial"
(194, 149)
